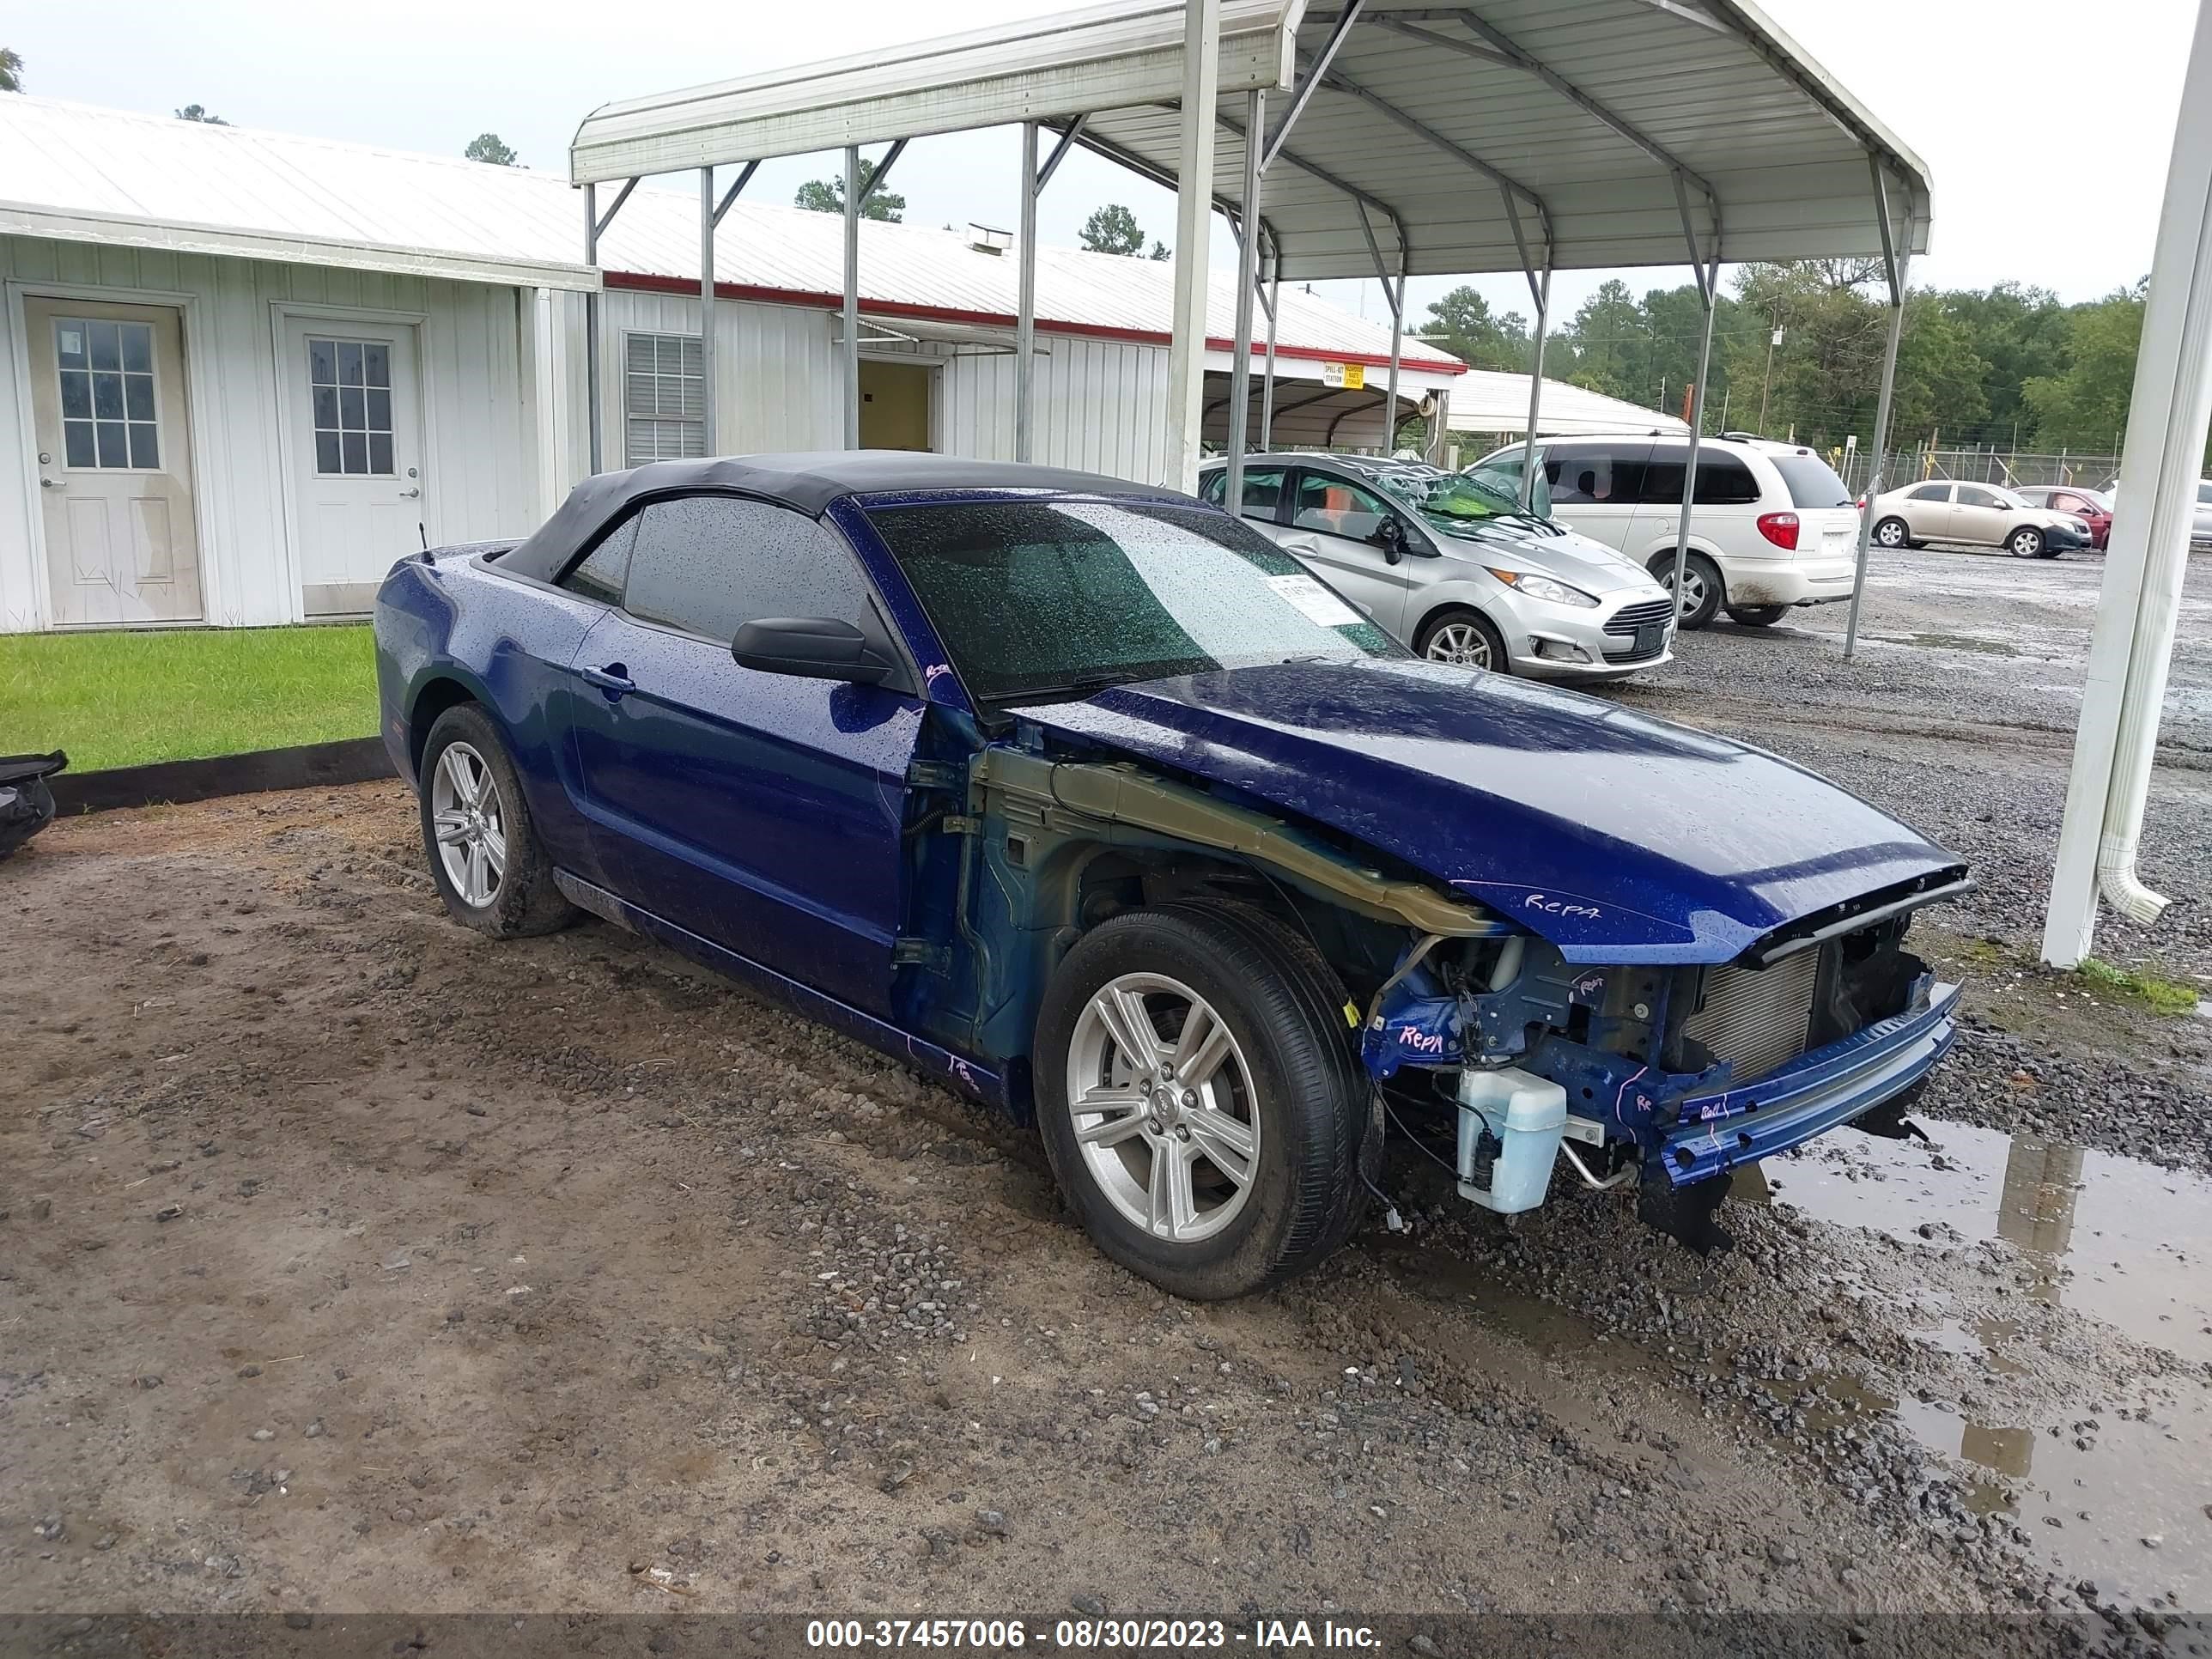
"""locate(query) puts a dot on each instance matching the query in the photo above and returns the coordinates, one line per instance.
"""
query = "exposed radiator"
(1756, 1017)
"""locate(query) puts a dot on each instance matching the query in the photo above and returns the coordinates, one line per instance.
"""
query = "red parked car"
(2092, 506)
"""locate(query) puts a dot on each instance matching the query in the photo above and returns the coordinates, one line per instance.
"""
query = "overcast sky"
(2046, 126)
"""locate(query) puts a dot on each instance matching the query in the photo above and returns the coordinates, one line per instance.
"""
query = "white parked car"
(1774, 525)
(1977, 514)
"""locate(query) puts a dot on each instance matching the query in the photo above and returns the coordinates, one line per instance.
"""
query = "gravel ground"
(351, 1262)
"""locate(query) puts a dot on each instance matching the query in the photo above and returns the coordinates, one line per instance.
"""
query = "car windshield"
(1037, 600)
(1454, 501)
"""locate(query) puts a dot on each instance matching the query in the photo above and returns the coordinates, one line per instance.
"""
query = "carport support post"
(1201, 80)
(1709, 280)
(707, 310)
(1025, 315)
(1268, 379)
(1248, 274)
(1542, 289)
(591, 322)
(1895, 260)
(1397, 342)
(852, 297)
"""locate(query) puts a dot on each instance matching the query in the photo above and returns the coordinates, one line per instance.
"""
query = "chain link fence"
(2007, 467)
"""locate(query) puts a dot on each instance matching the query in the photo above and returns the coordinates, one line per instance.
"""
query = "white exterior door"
(356, 457)
(115, 461)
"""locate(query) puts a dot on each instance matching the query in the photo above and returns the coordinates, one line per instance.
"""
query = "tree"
(2085, 405)
(1463, 325)
(11, 70)
(1113, 229)
(194, 112)
(490, 148)
(1159, 250)
(828, 195)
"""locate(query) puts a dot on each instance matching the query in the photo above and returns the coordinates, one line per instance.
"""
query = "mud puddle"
(2116, 1239)
(2117, 1492)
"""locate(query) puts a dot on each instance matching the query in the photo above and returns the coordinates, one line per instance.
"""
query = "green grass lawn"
(123, 699)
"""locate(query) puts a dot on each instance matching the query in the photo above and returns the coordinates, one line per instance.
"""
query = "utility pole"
(1767, 380)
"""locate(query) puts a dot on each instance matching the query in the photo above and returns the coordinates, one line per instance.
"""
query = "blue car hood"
(1618, 837)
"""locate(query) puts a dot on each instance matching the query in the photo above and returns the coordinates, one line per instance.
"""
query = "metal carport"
(1377, 137)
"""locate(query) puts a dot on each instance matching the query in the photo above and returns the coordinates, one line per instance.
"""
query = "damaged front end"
(1668, 1075)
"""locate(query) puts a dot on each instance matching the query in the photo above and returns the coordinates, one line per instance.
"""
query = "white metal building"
(245, 371)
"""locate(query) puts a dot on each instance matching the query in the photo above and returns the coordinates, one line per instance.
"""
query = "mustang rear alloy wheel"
(484, 853)
(1200, 1098)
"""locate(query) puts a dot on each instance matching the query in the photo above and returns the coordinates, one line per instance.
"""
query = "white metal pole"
(1268, 380)
(1025, 316)
(2132, 643)
(1248, 274)
(1881, 437)
(592, 323)
(1397, 342)
(707, 329)
(1201, 53)
(1535, 388)
(852, 297)
(1697, 419)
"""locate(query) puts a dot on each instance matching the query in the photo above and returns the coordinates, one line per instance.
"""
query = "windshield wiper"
(1078, 685)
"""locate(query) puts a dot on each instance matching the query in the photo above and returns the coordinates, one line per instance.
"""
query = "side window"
(1723, 480)
(1594, 474)
(1970, 496)
(1932, 492)
(1337, 508)
(1263, 488)
(602, 572)
(707, 564)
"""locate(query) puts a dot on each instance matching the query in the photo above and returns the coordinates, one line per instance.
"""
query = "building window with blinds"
(664, 399)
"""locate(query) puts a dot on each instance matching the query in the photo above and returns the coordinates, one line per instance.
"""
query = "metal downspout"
(1543, 292)
(1896, 262)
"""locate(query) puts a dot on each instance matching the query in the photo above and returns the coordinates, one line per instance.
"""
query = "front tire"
(2024, 543)
(485, 857)
(1703, 592)
(1199, 1099)
(1459, 634)
(1757, 616)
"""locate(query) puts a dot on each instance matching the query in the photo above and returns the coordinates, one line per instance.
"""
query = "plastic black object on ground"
(27, 805)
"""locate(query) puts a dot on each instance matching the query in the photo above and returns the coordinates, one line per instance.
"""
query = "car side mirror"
(1390, 537)
(811, 647)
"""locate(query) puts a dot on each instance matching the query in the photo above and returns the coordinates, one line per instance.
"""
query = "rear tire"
(1757, 616)
(1705, 592)
(1892, 533)
(485, 857)
(1246, 1171)
(1459, 634)
(2026, 543)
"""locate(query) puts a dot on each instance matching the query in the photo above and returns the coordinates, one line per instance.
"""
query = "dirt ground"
(350, 1261)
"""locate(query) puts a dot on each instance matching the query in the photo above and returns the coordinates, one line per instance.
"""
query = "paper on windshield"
(1313, 601)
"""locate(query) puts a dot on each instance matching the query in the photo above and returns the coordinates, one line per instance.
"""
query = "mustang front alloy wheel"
(1200, 1098)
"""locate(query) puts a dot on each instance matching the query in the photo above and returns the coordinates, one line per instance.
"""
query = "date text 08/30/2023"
(1089, 1635)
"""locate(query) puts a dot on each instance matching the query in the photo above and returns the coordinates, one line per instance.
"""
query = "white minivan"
(1773, 527)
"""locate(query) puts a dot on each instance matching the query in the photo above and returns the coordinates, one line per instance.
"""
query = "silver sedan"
(1448, 565)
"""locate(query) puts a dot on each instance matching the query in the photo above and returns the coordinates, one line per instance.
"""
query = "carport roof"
(1486, 136)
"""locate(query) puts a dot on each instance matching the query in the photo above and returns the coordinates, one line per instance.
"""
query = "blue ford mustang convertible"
(1084, 797)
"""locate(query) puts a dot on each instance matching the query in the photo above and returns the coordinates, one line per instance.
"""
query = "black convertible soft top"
(808, 481)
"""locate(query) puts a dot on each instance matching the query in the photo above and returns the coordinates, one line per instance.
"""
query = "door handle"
(614, 680)
(412, 492)
(50, 483)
